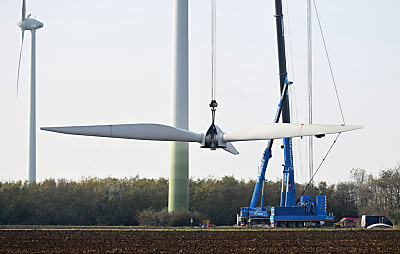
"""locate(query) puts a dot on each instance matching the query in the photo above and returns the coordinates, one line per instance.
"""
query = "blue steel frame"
(266, 156)
(288, 183)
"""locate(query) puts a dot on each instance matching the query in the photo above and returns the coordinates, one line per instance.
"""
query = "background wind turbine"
(27, 23)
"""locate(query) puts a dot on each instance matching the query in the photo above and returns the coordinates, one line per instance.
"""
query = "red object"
(348, 222)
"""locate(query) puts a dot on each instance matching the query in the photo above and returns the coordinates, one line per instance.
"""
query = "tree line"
(132, 201)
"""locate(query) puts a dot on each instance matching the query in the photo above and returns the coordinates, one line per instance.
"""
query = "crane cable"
(310, 144)
(337, 97)
(319, 166)
(329, 62)
(213, 103)
(293, 96)
(213, 48)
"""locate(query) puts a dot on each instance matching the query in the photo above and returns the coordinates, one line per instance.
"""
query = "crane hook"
(211, 134)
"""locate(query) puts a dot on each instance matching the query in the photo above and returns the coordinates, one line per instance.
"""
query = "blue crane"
(289, 214)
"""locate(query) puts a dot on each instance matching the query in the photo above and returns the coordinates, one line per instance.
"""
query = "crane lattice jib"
(288, 184)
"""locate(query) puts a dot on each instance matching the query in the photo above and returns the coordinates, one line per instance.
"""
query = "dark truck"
(371, 221)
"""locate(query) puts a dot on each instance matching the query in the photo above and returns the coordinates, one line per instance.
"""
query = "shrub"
(181, 217)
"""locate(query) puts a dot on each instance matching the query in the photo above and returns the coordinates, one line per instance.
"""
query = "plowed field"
(237, 241)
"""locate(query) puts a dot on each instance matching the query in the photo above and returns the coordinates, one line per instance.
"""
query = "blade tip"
(48, 129)
(357, 127)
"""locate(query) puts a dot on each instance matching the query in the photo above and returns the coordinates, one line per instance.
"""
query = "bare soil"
(206, 241)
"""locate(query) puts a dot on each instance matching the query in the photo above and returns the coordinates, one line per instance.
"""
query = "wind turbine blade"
(284, 130)
(20, 54)
(23, 10)
(231, 149)
(131, 131)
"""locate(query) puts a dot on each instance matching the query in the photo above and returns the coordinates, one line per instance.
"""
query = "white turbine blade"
(20, 54)
(231, 149)
(23, 10)
(131, 131)
(284, 130)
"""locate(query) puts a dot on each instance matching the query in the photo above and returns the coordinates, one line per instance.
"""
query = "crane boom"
(288, 214)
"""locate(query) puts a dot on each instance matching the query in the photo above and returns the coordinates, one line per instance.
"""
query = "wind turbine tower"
(178, 196)
(31, 24)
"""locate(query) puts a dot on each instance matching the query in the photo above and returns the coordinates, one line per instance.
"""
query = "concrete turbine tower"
(179, 154)
(27, 23)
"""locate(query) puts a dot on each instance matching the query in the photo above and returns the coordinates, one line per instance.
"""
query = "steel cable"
(213, 48)
(329, 62)
(319, 166)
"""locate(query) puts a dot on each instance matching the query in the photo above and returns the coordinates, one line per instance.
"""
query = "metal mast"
(288, 171)
(32, 115)
(309, 93)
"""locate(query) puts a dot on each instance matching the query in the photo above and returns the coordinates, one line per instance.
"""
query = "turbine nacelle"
(26, 23)
(29, 24)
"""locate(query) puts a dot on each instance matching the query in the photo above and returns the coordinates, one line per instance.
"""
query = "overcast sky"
(109, 62)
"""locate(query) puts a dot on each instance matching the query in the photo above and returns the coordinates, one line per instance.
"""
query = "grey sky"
(101, 62)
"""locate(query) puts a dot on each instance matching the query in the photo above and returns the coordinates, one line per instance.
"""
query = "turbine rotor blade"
(20, 54)
(157, 132)
(23, 10)
(231, 149)
(284, 130)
